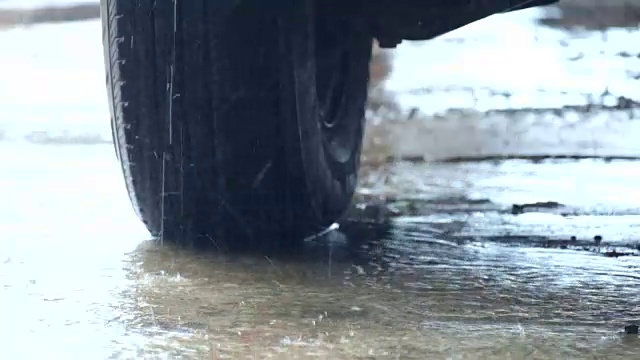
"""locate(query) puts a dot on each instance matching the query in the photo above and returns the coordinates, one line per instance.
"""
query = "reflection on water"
(434, 263)
(407, 294)
(476, 199)
(459, 277)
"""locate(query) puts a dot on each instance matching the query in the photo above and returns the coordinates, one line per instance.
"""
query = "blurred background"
(525, 73)
(499, 172)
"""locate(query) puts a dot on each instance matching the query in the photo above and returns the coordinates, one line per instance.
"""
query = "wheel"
(237, 123)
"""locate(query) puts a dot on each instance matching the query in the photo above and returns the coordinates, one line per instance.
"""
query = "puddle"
(509, 256)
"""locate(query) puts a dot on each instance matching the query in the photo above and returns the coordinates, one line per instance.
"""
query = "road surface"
(438, 260)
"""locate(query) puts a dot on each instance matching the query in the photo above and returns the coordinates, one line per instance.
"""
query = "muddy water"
(459, 277)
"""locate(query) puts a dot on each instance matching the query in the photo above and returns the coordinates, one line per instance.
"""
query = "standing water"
(528, 258)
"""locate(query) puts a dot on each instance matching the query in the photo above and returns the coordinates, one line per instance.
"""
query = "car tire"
(237, 123)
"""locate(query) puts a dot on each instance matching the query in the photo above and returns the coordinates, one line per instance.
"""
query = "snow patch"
(37, 4)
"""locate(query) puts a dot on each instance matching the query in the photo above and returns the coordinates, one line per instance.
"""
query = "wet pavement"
(443, 269)
(510, 255)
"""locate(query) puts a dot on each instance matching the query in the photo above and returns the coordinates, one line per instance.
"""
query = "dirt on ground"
(13, 17)
(594, 14)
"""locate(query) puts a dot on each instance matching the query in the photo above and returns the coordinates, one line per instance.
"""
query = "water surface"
(461, 277)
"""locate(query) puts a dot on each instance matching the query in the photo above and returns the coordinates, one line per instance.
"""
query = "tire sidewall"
(331, 181)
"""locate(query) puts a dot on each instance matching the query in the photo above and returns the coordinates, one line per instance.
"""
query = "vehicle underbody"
(393, 21)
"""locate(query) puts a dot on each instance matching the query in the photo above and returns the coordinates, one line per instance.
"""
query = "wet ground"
(455, 258)
(457, 276)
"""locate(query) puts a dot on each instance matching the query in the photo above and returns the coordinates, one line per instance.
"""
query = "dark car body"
(394, 20)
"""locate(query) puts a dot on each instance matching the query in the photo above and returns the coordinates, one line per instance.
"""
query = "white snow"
(53, 82)
(35, 4)
(509, 54)
(53, 86)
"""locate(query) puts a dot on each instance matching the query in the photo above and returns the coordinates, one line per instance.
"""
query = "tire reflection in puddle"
(450, 281)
